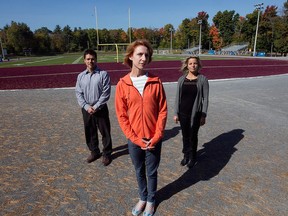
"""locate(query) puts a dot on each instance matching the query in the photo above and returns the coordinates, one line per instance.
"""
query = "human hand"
(176, 119)
(148, 148)
(202, 121)
(147, 144)
(91, 111)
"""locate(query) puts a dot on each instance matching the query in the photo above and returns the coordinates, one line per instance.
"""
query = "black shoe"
(184, 161)
(94, 156)
(106, 160)
(191, 163)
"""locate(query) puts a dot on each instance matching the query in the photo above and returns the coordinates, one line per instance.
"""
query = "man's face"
(90, 62)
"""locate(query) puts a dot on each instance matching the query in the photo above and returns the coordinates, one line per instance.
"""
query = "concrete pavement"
(242, 167)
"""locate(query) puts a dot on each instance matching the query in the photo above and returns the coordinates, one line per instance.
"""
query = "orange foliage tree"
(216, 39)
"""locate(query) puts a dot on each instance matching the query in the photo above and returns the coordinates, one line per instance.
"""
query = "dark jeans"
(190, 133)
(146, 163)
(100, 120)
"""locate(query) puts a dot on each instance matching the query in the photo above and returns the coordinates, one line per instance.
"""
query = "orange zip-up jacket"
(141, 116)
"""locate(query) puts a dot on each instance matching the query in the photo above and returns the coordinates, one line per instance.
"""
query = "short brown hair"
(90, 52)
(131, 48)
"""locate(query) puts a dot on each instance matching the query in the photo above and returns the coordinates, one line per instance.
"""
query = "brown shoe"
(94, 156)
(106, 160)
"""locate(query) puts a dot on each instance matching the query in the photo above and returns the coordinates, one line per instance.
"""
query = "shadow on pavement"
(119, 151)
(211, 160)
(171, 133)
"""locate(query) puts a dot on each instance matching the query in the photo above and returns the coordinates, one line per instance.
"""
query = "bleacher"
(234, 49)
(192, 51)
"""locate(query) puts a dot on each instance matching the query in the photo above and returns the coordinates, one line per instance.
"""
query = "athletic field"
(242, 154)
(62, 76)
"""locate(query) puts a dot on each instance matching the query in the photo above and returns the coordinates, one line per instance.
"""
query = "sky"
(114, 14)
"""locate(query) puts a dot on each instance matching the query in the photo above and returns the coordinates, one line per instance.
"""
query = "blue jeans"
(146, 163)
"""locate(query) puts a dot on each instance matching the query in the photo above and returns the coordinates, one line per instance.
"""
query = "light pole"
(129, 24)
(272, 37)
(2, 50)
(200, 23)
(171, 33)
(258, 8)
(97, 33)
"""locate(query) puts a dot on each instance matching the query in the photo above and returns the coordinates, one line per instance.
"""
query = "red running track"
(59, 76)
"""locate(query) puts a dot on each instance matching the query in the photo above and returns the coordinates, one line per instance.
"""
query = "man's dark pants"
(98, 121)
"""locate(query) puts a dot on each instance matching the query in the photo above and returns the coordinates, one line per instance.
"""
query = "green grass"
(76, 58)
(41, 61)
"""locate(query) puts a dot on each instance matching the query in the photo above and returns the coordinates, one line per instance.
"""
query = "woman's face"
(140, 57)
(193, 65)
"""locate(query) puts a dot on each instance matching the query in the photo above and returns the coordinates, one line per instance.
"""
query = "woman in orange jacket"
(141, 109)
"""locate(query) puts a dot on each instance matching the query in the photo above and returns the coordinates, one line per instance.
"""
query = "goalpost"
(116, 47)
(112, 44)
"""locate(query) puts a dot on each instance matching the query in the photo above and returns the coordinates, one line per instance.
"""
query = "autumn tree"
(238, 36)
(203, 16)
(225, 22)
(228, 27)
(92, 37)
(80, 39)
(115, 35)
(57, 40)
(248, 28)
(152, 35)
(124, 37)
(166, 36)
(216, 40)
(266, 29)
(42, 40)
(104, 38)
(281, 31)
(19, 37)
(67, 35)
(188, 32)
(183, 36)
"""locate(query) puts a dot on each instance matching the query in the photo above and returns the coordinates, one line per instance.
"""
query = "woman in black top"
(191, 106)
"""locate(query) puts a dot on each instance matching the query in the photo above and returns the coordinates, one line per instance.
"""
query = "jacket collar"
(151, 78)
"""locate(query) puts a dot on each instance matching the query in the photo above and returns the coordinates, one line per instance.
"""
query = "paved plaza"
(242, 166)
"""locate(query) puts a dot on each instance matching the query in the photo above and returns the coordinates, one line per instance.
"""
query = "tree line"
(228, 28)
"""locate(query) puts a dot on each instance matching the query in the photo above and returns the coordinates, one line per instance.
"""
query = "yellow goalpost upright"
(116, 47)
(112, 44)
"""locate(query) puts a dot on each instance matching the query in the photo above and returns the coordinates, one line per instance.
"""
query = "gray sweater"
(201, 101)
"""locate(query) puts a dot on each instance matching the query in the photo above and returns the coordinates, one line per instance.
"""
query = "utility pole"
(258, 8)
(200, 23)
(129, 26)
(96, 18)
(2, 49)
(171, 34)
